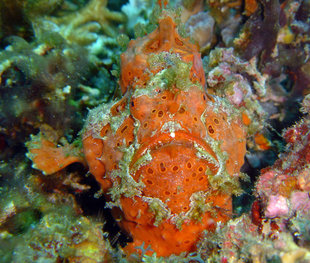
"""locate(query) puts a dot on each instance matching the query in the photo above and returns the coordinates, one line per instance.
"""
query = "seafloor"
(59, 59)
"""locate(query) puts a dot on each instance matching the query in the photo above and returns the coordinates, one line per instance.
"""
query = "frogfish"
(167, 154)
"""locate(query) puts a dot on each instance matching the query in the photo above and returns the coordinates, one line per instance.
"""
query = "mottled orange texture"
(167, 155)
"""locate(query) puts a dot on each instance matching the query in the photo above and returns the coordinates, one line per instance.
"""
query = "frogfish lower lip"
(204, 150)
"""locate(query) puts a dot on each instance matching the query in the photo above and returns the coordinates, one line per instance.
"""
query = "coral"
(260, 31)
(17, 17)
(62, 236)
(81, 26)
(36, 80)
(45, 226)
(35, 8)
(283, 188)
(190, 8)
(220, 9)
(136, 11)
(250, 7)
(226, 78)
(46, 80)
(293, 43)
(238, 241)
(91, 26)
(229, 28)
(283, 193)
(277, 35)
(13, 20)
(200, 28)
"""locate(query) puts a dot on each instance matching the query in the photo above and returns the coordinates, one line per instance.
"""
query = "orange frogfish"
(167, 154)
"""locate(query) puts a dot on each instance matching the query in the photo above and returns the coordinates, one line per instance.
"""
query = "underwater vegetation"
(155, 131)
